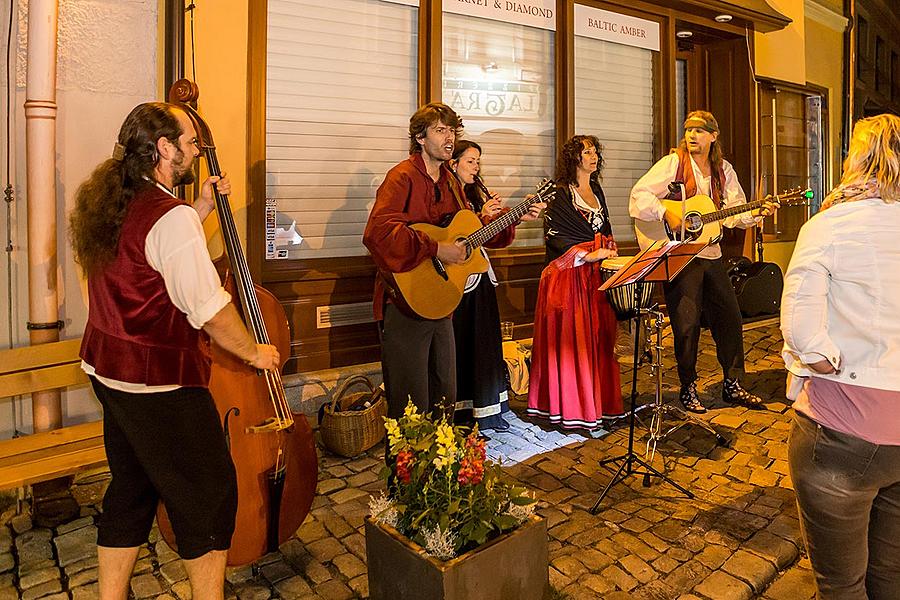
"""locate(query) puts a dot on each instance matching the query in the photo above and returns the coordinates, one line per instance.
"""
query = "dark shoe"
(493, 423)
(733, 393)
(690, 399)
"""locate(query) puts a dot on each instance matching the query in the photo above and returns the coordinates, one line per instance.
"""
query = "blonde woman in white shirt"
(840, 316)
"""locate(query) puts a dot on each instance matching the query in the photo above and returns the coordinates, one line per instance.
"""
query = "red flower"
(404, 465)
(471, 467)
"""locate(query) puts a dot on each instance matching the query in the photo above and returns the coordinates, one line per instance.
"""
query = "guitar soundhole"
(693, 223)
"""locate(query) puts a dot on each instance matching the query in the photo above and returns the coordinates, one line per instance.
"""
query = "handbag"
(353, 422)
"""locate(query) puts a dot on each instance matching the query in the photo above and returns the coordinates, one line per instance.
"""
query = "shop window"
(340, 87)
(498, 77)
(614, 101)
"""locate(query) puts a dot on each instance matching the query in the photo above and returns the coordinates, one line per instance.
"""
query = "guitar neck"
(734, 210)
(487, 232)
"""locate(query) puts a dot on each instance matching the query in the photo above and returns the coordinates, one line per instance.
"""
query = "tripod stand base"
(661, 410)
(627, 468)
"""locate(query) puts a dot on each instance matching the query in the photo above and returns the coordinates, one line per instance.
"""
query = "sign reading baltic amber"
(614, 27)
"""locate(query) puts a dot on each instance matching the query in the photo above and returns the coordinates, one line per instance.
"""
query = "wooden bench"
(42, 456)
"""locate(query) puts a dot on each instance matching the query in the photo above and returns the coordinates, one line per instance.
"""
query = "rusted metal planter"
(513, 566)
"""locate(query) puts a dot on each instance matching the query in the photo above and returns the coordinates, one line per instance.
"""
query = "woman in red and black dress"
(574, 373)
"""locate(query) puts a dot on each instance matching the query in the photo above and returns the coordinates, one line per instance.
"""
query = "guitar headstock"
(544, 187)
(792, 197)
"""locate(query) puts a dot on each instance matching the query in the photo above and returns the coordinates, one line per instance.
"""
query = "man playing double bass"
(155, 299)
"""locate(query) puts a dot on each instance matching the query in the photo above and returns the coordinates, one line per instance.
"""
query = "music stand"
(662, 261)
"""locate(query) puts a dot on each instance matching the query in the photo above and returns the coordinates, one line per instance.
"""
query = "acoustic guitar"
(433, 290)
(702, 219)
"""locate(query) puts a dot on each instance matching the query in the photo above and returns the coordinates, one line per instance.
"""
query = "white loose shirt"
(644, 202)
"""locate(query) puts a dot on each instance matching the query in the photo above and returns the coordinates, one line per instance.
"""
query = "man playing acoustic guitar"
(418, 355)
(703, 286)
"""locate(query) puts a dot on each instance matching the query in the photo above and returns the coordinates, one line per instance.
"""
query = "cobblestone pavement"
(738, 539)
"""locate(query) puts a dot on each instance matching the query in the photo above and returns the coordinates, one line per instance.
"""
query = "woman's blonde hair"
(875, 154)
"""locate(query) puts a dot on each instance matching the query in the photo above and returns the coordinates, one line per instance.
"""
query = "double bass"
(272, 447)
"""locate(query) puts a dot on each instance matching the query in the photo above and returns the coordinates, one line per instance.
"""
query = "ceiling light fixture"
(684, 34)
(723, 18)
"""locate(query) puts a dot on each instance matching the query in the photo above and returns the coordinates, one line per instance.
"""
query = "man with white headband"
(703, 286)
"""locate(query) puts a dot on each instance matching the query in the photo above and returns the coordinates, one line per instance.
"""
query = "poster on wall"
(614, 27)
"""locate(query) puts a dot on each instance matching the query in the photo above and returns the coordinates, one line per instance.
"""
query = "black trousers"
(166, 446)
(704, 287)
(418, 362)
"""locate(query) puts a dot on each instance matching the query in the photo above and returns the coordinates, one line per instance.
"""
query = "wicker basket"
(351, 432)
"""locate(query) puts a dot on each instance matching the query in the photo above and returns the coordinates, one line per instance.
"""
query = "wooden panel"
(42, 456)
(41, 355)
(48, 378)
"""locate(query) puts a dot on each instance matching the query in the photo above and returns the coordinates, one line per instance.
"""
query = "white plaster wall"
(106, 64)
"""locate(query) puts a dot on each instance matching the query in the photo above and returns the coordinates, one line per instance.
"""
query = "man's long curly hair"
(102, 201)
(570, 157)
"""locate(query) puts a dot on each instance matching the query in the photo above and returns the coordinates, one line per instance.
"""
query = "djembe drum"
(622, 298)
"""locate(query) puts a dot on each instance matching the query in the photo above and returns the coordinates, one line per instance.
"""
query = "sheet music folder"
(662, 261)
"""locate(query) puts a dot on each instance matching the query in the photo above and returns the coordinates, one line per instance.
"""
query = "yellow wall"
(824, 59)
(780, 54)
(220, 34)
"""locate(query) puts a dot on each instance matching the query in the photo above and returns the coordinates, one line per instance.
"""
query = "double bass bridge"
(271, 425)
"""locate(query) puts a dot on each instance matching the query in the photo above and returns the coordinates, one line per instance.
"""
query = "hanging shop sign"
(613, 27)
(533, 13)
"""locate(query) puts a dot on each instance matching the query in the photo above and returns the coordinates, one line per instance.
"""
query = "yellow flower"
(410, 410)
(395, 436)
(446, 446)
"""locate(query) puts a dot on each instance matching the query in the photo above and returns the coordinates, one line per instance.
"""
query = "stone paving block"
(349, 565)
(749, 567)
(637, 568)
(569, 566)
(85, 592)
(334, 590)
(558, 580)
(79, 544)
(44, 589)
(83, 578)
(620, 578)
(794, 584)
(21, 523)
(293, 588)
(722, 586)
(173, 572)
(684, 577)
(73, 525)
(7, 562)
(182, 590)
(254, 592)
(38, 577)
(598, 584)
(238, 575)
(146, 586)
(276, 571)
(773, 548)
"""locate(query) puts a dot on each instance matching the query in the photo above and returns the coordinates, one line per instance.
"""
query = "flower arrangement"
(443, 493)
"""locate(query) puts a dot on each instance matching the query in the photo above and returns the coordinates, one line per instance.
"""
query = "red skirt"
(574, 374)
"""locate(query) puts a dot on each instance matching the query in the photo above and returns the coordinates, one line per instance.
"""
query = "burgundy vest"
(685, 174)
(134, 333)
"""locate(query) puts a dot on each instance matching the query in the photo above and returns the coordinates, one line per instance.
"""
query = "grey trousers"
(848, 492)
(418, 362)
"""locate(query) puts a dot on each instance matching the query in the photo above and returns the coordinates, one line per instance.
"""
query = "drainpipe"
(850, 57)
(40, 157)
